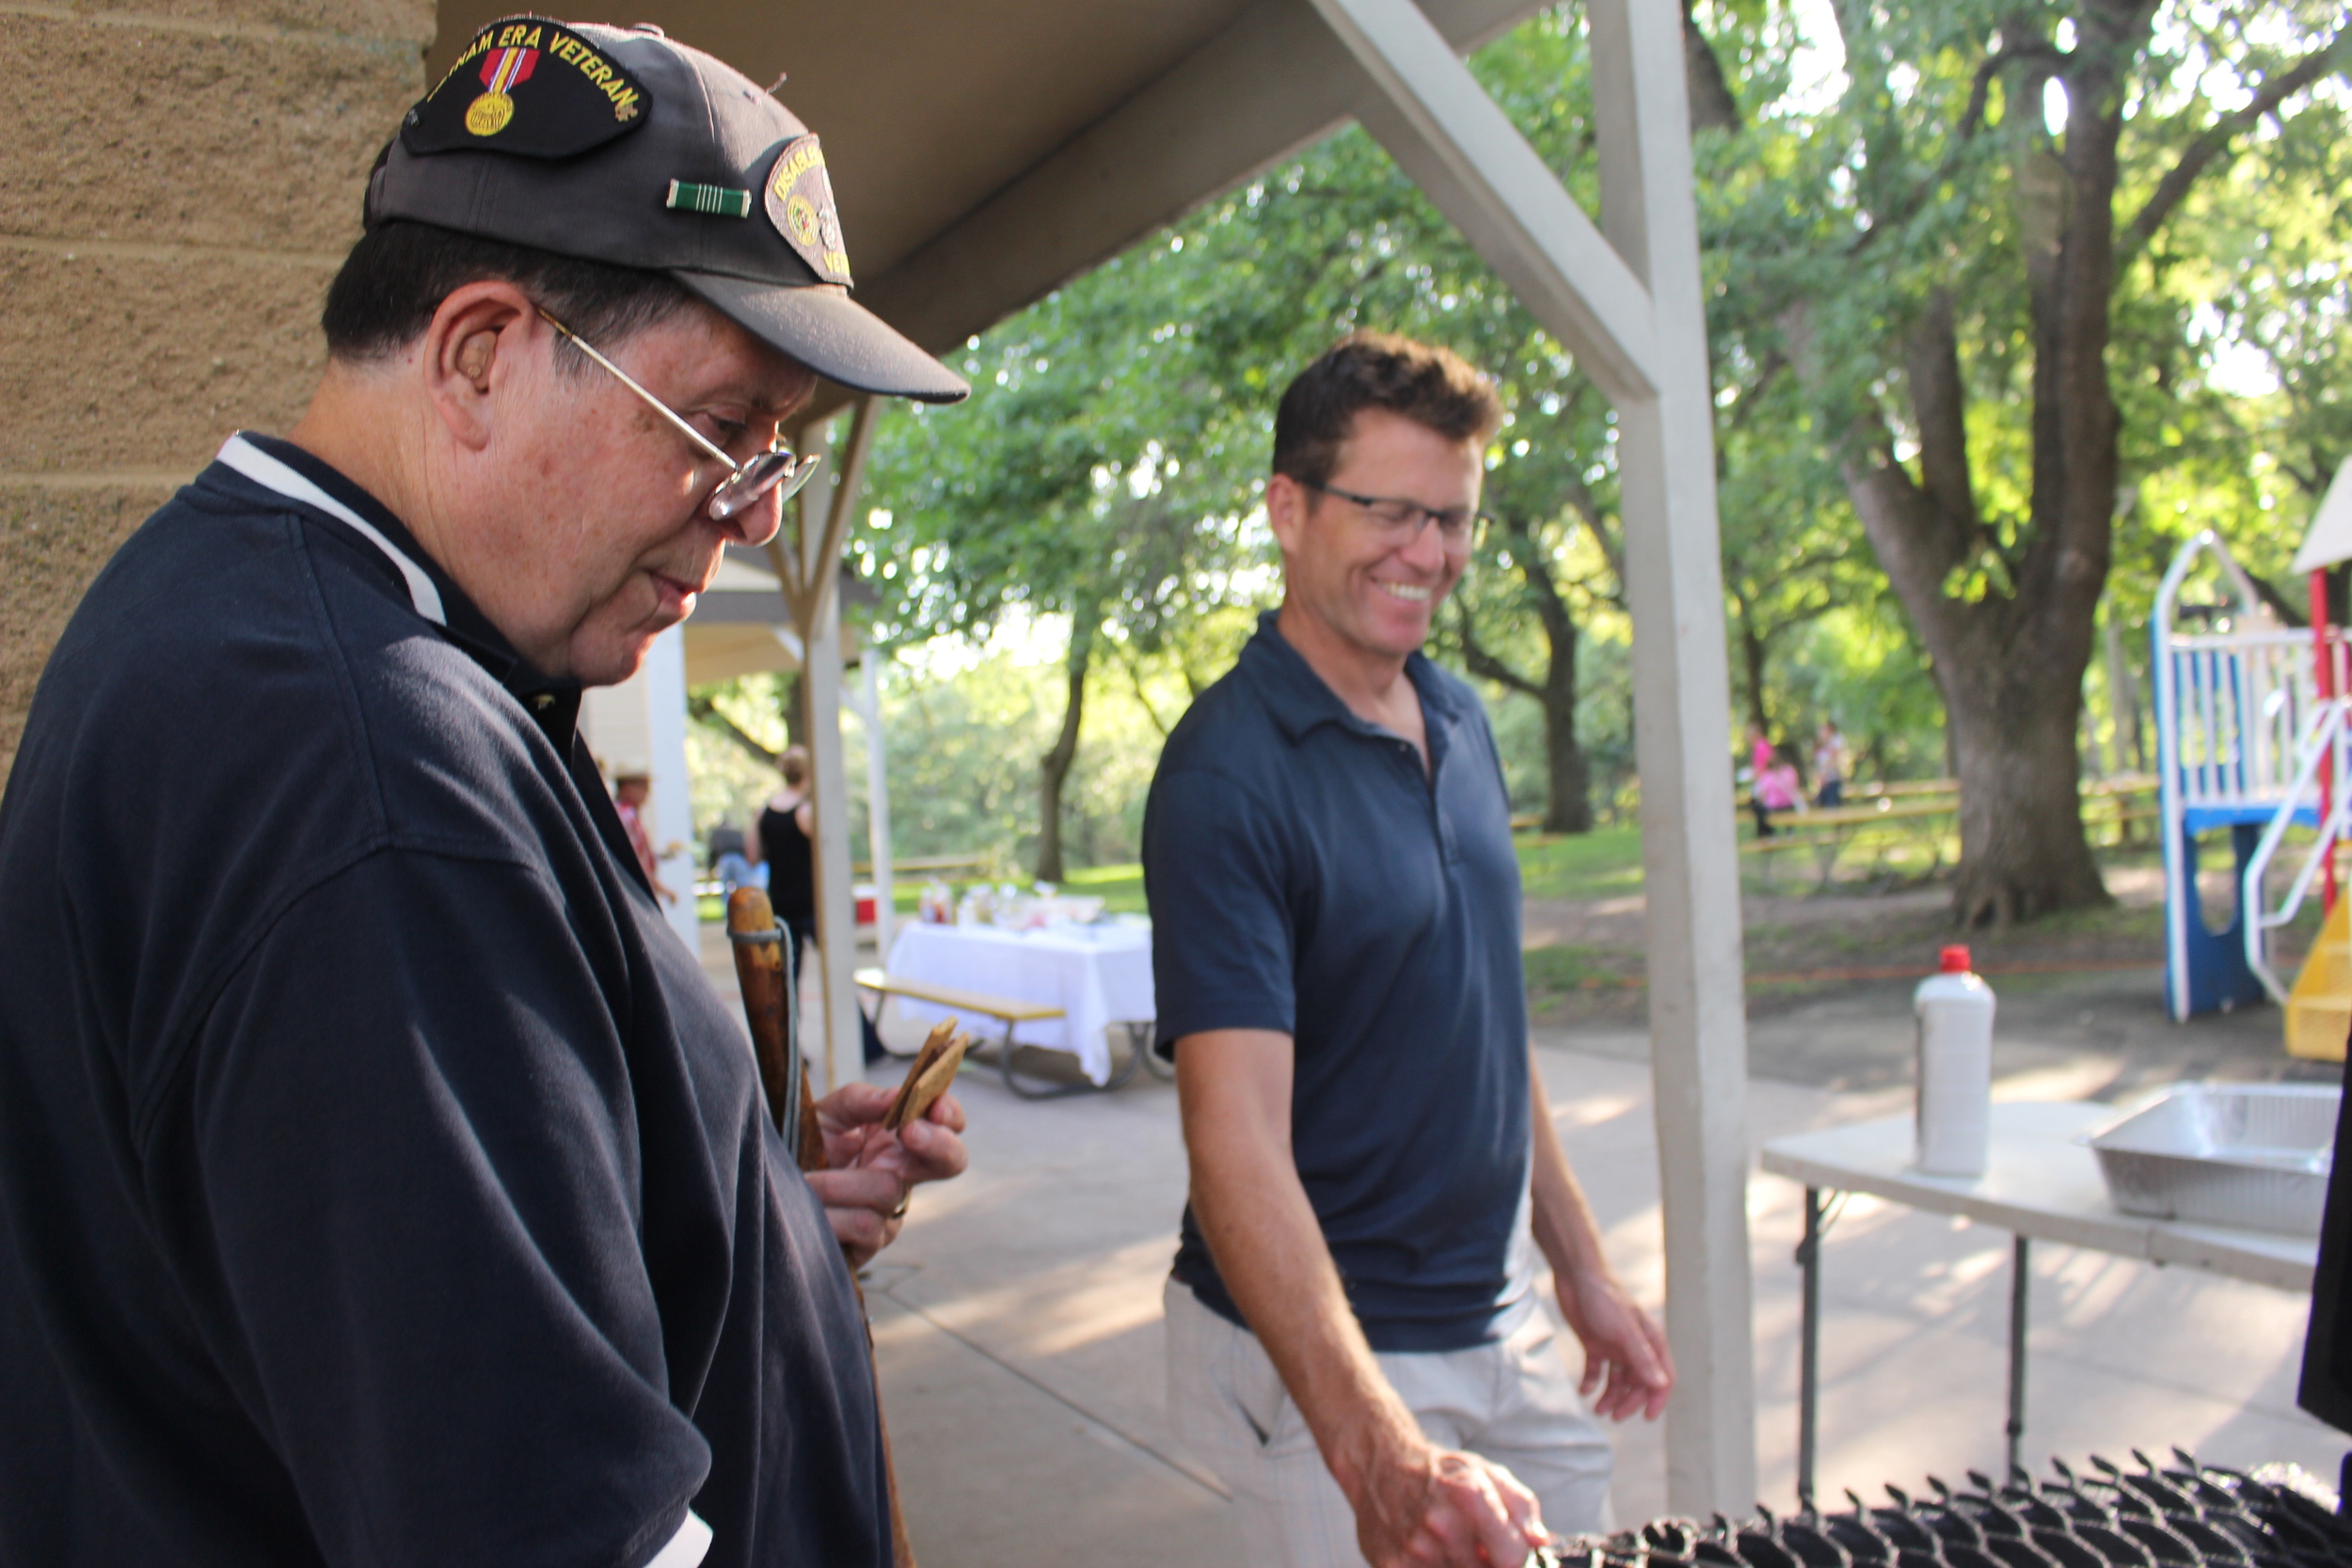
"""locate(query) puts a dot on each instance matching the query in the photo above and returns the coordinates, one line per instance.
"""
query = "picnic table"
(1828, 831)
(1082, 979)
(1889, 813)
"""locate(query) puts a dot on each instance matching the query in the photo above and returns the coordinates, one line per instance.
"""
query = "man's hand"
(1624, 1347)
(872, 1170)
(1423, 1505)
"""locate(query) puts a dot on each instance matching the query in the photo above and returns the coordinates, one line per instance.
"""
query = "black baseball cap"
(621, 145)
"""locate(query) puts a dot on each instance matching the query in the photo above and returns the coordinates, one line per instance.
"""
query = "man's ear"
(1286, 502)
(479, 342)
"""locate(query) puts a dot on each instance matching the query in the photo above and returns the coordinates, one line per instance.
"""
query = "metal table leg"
(2020, 1290)
(1809, 1345)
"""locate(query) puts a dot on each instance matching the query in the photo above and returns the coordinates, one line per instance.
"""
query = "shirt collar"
(1299, 700)
(324, 493)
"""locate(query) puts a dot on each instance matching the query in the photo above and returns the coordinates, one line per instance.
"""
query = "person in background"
(1830, 761)
(728, 860)
(786, 843)
(1778, 788)
(1759, 759)
(631, 791)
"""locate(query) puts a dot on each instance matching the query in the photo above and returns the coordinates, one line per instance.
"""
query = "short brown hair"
(395, 278)
(1428, 385)
(792, 762)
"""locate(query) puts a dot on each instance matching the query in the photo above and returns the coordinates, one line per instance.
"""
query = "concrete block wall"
(178, 182)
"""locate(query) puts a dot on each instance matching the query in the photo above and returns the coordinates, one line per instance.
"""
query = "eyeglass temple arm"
(656, 403)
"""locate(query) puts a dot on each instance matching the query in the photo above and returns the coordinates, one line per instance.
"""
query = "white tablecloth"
(1096, 975)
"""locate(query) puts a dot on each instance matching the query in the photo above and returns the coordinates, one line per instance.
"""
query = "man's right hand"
(1427, 1506)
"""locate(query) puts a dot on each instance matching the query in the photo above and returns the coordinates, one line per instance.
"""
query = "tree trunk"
(1053, 769)
(1712, 106)
(1752, 656)
(2023, 852)
(2009, 664)
(1568, 774)
(1568, 771)
(793, 704)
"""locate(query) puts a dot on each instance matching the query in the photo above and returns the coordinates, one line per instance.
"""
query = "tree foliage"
(2003, 295)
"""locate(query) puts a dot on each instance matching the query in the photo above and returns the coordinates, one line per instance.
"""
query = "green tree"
(1976, 255)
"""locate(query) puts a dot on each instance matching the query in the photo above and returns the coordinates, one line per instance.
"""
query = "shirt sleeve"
(1224, 910)
(411, 1150)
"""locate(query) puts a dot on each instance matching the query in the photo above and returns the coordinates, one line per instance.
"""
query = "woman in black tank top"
(786, 851)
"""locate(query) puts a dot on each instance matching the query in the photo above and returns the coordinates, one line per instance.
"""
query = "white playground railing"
(2237, 707)
(2327, 741)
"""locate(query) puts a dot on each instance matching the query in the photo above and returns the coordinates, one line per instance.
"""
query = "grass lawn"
(1603, 863)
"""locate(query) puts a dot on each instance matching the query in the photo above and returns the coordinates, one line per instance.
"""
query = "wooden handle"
(766, 993)
(759, 971)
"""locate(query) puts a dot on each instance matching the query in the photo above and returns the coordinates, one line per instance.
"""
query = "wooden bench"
(1008, 1011)
(1827, 831)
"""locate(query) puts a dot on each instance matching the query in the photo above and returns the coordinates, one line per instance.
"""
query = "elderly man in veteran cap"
(380, 1180)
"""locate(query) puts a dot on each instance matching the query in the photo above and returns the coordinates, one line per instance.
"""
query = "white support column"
(876, 800)
(1631, 311)
(672, 824)
(820, 685)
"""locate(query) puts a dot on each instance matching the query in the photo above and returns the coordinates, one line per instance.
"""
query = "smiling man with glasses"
(1354, 1342)
(380, 1179)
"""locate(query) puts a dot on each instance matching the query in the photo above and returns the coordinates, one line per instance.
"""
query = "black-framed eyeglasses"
(776, 469)
(1399, 521)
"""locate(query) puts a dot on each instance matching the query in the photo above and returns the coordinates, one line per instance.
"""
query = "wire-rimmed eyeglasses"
(747, 483)
(1399, 521)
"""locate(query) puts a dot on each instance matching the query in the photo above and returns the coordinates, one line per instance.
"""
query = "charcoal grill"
(2180, 1515)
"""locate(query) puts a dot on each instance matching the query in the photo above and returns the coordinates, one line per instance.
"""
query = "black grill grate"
(2179, 1515)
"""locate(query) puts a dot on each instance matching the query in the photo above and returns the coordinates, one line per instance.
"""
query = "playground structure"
(2253, 736)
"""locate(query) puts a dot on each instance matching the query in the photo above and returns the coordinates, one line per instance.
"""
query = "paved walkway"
(1018, 1324)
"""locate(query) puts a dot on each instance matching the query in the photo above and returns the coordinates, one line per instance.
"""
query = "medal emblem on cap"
(528, 86)
(487, 115)
(800, 204)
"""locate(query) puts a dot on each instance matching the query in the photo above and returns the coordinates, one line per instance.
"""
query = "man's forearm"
(1270, 1253)
(1562, 1220)
(1623, 1348)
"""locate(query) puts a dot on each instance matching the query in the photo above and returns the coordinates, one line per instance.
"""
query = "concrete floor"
(1017, 1319)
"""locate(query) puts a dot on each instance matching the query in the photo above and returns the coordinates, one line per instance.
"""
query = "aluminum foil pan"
(2251, 1155)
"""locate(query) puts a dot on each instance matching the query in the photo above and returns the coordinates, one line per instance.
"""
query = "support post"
(2019, 1302)
(1631, 309)
(2324, 687)
(672, 824)
(877, 803)
(810, 569)
(1809, 1347)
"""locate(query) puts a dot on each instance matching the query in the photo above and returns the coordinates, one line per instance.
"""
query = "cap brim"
(823, 328)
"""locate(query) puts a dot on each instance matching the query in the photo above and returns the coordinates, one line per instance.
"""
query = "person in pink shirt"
(1777, 787)
(629, 795)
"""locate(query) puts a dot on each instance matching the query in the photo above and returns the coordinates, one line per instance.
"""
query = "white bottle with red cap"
(1955, 1118)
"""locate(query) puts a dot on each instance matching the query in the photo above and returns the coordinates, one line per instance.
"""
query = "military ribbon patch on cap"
(527, 86)
(721, 200)
(800, 204)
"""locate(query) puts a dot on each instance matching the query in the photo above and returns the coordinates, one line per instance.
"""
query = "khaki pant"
(1512, 1403)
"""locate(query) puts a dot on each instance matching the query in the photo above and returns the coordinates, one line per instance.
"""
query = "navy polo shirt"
(381, 1181)
(1307, 876)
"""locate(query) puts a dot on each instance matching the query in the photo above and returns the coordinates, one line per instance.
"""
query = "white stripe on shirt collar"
(687, 1547)
(268, 472)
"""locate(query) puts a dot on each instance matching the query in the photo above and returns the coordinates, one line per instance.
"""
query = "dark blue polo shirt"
(1307, 876)
(381, 1181)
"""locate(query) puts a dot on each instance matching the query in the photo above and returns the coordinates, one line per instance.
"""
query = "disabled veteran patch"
(527, 86)
(800, 204)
